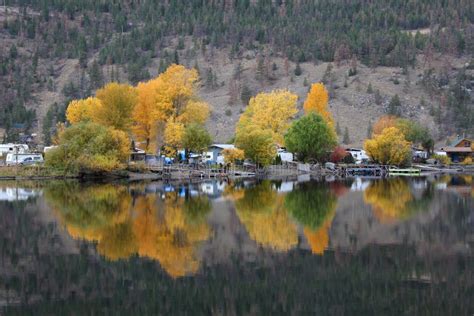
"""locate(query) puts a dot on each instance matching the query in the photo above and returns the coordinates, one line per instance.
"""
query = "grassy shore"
(33, 172)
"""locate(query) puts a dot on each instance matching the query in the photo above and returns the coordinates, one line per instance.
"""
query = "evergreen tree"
(369, 88)
(394, 106)
(298, 70)
(346, 140)
(245, 95)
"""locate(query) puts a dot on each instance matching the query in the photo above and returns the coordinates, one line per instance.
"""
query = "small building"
(459, 149)
(137, 155)
(215, 151)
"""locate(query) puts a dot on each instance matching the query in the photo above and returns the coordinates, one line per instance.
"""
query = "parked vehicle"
(13, 148)
(359, 155)
(23, 159)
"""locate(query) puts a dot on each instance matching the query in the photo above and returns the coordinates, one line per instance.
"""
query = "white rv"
(13, 148)
(23, 159)
(285, 155)
(359, 155)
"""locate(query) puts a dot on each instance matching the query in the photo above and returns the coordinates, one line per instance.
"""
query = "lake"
(354, 247)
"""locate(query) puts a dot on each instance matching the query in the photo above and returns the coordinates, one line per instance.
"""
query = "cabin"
(137, 154)
(214, 153)
(459, 149)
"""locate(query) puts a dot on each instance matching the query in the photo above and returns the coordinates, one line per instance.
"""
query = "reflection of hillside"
(167, 230)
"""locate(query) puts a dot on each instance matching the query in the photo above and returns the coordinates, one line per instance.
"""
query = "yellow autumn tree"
(82, 110)
(145, 126)
(196, 112)
(168, 99)
(383, 123)
(233, 154)
(118, 102)
(317, 101)
(389, 147)
(271, 112)
(175, 88)
(174, 133)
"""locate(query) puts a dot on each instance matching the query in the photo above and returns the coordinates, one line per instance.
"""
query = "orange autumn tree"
(317, 101)
(383, 123)
(170, 99)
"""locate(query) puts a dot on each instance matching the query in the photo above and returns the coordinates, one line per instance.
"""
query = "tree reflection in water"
(393, 200)
(262, 211)
(313, 205)
(166, 228)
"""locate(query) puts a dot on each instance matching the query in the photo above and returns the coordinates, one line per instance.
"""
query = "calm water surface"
(401, 246)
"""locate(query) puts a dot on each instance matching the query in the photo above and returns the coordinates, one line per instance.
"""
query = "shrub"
(442, 159)
(467, 161)
(89, 147)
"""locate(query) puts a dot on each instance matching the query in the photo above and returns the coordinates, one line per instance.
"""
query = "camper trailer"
(13, 148)
(359, 155)
(23, 159)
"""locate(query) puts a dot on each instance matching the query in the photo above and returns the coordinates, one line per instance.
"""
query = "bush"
(338, 154)
(442, 159)
(89, 147)
(348, 159)
(467, 161)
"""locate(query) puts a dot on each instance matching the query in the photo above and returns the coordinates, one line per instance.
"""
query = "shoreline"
(151, 176)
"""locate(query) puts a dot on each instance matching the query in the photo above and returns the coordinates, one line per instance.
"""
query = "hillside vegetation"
(366, 52)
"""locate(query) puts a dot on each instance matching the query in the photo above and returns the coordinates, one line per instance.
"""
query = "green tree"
(310, 137)
(196, 138)
(394, 106)
(246, 94)
(298, 70)
(257, 144)
(346, 139)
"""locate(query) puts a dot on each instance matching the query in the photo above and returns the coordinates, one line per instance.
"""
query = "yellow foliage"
(233, 154)
(166, 100)
(389, 147)
(60, 129)
(82, 110)
(270, 111)
(389, 199)
(261, 210)
(174, 89)
(467, 161)
(150, 227)
(174, 133)
(195, 112)
(383, 123)
(144, 115)
(317, 101)
(118, 101)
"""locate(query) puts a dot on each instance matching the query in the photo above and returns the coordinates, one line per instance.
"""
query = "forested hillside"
(54, 51)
